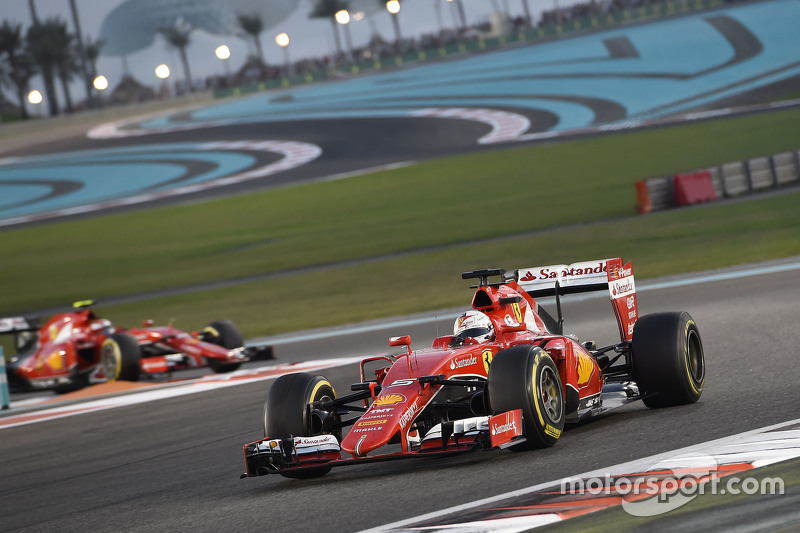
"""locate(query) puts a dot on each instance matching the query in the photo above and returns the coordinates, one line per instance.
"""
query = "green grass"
(659, 244)
(453, 202)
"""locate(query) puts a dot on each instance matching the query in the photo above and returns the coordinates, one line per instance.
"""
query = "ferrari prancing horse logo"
(517, 312)
(487, 356)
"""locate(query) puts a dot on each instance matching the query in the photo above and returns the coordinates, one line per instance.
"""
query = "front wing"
(276, 456)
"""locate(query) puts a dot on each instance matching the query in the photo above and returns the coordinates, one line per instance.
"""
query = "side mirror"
(147, 323)
(405, 340)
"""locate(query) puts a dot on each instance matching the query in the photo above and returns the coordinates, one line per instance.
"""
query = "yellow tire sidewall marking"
(686, 360)
(111, 346)
(535, 386)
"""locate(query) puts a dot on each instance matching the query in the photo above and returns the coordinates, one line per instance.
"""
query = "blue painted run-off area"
(647, 70)
(47, 183)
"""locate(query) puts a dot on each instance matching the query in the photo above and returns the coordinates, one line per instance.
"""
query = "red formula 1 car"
(507, 377)
(75, 349)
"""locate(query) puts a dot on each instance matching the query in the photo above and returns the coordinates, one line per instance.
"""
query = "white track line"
(171, 390)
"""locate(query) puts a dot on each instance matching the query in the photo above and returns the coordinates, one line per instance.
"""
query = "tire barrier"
(728, 180)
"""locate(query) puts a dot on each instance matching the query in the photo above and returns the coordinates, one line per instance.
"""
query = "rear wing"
(15, 324)
(586, 276)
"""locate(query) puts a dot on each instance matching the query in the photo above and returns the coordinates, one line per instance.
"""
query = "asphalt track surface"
(607, 78)
(174, 464)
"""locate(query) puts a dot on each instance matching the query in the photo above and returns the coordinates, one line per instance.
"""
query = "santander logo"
(502, 428)
(461, 363)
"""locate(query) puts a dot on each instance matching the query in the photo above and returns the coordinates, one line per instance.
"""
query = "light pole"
(456, 4)
(282, 40)
(162, 73)
(82, 51)
(223, 53)
(35, 98)
(393, 7)
(100, 83)
(343, 18)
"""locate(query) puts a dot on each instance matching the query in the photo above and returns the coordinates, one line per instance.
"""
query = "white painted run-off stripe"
(637, 465)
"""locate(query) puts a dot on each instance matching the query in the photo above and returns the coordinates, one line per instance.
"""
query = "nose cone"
(379, 424)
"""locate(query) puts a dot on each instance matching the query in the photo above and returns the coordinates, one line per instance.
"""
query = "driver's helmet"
(472, 324)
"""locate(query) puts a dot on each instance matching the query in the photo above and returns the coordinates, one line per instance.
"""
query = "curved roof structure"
(134, 24)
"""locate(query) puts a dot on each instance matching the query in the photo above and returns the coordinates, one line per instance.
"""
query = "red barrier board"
(693, 187)
(642, 197)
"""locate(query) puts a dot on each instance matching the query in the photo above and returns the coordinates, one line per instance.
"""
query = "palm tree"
(49, 47)
(252, 25)
(92, 49)
(177, 36)
(20, 65)
(5, 81)
(67, 64)
(527, 9)
(327, 9)
(461, 15)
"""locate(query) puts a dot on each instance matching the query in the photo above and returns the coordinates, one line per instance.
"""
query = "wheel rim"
(315, 421)
(111, 360)
(694, 355)
(551, 399)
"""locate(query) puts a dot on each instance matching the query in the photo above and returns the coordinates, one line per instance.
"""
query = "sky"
(309, 37)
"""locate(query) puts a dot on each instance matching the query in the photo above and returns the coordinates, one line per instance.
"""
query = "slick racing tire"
(287, 412)
(668, 362)
(223, 333)
(525, 377)
(119, 356)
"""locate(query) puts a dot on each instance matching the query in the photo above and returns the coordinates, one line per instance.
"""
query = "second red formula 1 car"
(507, 377)
(78, 348)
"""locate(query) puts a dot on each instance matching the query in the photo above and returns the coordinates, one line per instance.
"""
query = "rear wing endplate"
(16, 324)
(586, 276)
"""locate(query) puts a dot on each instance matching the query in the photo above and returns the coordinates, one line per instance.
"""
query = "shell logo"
(390, 399)
(56, 361)
(585, 368)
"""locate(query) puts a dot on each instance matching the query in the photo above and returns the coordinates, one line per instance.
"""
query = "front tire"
(287, 413)
(120, 355)
(525, 377)
(223, 333)
(668, 360)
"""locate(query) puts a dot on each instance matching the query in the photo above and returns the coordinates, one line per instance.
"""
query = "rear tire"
(120, 355)
(525, 377)
(223, 333)
(668, 360)
(287, 413)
